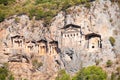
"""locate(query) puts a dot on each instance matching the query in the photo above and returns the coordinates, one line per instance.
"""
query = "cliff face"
(64, 47)
(103, 19)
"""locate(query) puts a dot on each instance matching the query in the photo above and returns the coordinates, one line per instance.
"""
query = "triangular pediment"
(71, 29)
(71, 25)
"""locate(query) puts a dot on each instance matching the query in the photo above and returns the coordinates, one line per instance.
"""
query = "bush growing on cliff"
(39, 14)
(109, 63)
(112, 41)
(113, 76)
(31, 13)
(87, 5)
(5, 2)
(116, 74)
(36, 64)
(2, 16)
(41, 9)
(62, 75)
(91, 73)
(5, 73)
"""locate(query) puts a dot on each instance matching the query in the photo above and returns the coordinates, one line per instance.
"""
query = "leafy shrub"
(91, 73)
(36, 64)
(2, 16)
(113, 76)
(109, 63)
(66, 5)
(111, 20)
(41, 1)
(11, 77)
(17, 20)
(118, 70)
(97, 62)
(5, 2)
(118, 77)
(47, 20)
(112, 41)
(39, 14)
(62, 75)
(87, 5)
(31, 13)
(41, 9)
(5, 73)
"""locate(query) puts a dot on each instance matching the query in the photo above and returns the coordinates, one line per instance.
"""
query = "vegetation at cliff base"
(5, 73)
(62, 75)
(116, 74)
(91, 73)
(88, 73)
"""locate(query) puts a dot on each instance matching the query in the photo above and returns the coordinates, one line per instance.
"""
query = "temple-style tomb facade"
(71, 36)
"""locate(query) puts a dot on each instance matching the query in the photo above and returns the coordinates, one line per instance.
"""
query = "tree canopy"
(41, 9)
(91, 73)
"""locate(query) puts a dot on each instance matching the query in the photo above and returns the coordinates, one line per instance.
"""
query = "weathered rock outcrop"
(102, 18)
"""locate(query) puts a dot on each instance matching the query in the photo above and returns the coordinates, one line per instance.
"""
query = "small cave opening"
(70, 55)
(93, 46)
(57, 62)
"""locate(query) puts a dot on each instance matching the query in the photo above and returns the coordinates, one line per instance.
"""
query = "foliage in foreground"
(88, 73)
(62, 75)
(91, 73)
(5, 74)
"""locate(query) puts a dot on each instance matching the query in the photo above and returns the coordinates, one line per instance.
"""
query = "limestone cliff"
(103, 19)
(76, 38)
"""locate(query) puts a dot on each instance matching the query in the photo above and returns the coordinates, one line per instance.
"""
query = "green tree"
(91, 73)
(62, 75)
